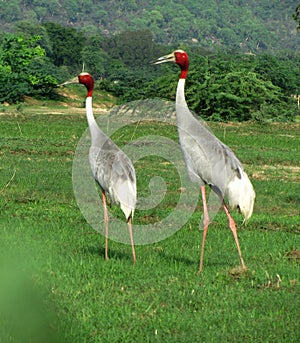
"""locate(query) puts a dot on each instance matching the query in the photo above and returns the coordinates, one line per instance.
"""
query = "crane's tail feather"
(240, 193)
(126, 192)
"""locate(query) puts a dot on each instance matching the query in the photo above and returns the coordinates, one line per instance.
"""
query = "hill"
(246, 25)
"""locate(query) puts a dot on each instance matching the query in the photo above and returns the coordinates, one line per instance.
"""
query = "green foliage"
(94, 57)
(221, 86)
(237, 95)
(27, 29)
(10, 11)
(296, 16)
(224, 85)
(21, 72)
(244, 25)
(236, 87)
(66, 46)
(133, 48)
(127, 66)
(43, 78)
(282, 70)
(18, 52)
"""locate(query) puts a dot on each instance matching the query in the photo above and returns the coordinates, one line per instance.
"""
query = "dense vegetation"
(225, 83)
(296, 16)
(249, 25)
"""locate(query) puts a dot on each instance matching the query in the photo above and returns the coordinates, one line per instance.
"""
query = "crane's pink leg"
(129, 222)
(106, 224)
(233, 230)
(205, 226)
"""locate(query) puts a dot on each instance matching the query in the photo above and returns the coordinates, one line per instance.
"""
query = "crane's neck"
(180, 96)
(183, 73)
(184, 117)
(90, 117)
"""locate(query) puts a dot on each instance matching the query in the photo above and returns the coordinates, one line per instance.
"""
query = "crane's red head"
(87, 80)
(179, 57)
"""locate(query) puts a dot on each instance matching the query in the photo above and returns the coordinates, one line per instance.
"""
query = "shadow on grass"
(113, 254)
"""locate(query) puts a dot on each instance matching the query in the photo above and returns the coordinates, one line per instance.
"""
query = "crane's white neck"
(90, 116)
(184, 117)
(180, 97)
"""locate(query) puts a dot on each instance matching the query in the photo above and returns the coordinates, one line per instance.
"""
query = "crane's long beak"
(166, 58)
(69, 82)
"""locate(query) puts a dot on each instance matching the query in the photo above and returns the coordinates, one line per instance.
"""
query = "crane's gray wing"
(115, 173)
(101, 158)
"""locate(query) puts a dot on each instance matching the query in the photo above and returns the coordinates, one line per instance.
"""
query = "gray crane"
(208, 160)
(110, 166)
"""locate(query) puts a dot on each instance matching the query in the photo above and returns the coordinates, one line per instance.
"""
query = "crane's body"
(111, 167)
(208, 160)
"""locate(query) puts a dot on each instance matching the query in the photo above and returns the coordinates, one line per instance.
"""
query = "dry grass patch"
(279, 171)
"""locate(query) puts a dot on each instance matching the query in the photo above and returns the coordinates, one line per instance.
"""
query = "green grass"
(56, 287)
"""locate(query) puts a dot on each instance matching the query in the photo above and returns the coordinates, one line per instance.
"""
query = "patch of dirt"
(69, 102)
(281, 172)
(238, 272)
(294, 255)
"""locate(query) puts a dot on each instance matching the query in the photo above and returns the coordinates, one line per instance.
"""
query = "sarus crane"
(110, 166)
(208, 160)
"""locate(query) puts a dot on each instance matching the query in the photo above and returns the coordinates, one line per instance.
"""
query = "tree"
(251, 25)
(27, 29)
(73, 9)
(282, 71)
(10, 11)
(94, 57)
(66, 46)
(228, 87)
(296, 16)
(133, 48)
(22, 69)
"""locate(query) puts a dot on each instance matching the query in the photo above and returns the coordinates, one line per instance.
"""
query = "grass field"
(56, 286)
